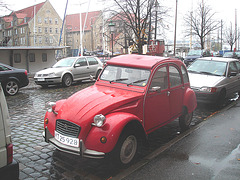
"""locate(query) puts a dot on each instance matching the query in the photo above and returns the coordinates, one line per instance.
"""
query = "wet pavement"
(39, 160)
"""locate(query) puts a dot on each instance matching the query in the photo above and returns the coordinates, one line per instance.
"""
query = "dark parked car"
(12, 79)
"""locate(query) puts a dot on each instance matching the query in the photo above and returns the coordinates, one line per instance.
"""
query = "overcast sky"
(225, 9)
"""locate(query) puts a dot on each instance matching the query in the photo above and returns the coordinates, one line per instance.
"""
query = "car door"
(232, 81)
(156, 107)
(93, 65)
(81, 69)
(176, 91)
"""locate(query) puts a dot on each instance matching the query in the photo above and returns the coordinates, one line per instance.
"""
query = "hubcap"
(11, 88)
(128, 149)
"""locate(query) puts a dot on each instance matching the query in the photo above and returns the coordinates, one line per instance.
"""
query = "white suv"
(9, 168)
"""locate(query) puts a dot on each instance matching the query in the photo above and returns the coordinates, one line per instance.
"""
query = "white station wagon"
(68, 70)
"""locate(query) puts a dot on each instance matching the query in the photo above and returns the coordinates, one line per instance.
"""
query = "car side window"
(174, 76)
(184, 74)
(238, 66)
(160, 78)
(232, 67)
(92, 61)
(3, 68)
(82, 62)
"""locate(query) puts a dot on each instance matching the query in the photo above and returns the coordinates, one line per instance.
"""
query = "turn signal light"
(103, 139)
(46, 121)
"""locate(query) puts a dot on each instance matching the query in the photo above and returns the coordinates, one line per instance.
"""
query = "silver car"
(214, 79)
(68, 70)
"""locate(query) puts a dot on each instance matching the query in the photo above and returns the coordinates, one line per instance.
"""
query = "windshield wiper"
(120, 79)
(138, 81)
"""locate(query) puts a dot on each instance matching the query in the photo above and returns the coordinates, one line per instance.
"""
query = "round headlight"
(99, 120)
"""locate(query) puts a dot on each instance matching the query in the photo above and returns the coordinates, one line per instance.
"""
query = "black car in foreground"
(12, 79)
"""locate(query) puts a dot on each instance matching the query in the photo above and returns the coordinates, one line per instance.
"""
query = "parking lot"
(39, 160)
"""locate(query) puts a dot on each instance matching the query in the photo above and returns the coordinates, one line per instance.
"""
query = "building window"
(44, 57)
(39, 29)
(35, 39)
(46, 30)
(39, 20)
(50, 40)
(40, 40)
(46, 40)
(17, 58)
(56, 30)
(31, 57)
(46, 20)
(56, 20)
(50, 20)
(50, 30)
(11, 23)
(25, 20)
(16, 31)
(16, 42)
(22, 40)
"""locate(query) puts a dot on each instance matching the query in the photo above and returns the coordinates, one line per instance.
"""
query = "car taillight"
(9, 153)
(26, 72)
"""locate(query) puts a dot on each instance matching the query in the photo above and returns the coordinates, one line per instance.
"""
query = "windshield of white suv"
(67, 62)
(209, 67)
(125, 75)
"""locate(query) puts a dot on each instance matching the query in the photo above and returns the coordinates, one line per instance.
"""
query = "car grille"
(67, 128)
(42, 75)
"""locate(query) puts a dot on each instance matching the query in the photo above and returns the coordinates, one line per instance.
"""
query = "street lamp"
(111, 27)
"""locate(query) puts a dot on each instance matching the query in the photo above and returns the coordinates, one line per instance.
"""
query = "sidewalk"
(212, 151)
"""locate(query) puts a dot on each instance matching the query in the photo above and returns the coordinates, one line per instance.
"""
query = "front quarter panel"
(112, 129)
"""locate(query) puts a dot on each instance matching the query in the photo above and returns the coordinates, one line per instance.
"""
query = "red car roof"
(133, 60)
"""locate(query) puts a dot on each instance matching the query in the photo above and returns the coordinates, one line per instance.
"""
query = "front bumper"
(82, 150)
(48, 81)
(206, 97)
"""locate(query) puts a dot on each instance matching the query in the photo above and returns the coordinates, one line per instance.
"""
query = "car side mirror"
(77, 65)
(155, 89)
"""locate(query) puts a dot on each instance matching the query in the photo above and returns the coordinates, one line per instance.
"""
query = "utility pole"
(175, 31)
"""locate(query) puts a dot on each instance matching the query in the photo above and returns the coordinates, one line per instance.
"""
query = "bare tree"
(135, 15)
(231, 37)
(200, 23)
(4, 6)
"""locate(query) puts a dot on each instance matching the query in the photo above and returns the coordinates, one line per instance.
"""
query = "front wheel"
(67, 80)
(126, 149)
(11, 88)
(185, 121)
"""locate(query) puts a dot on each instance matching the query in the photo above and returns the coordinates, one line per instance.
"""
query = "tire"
(126, 149)
(11, 87)
(185, 121)
(67, 80)
(221, 98)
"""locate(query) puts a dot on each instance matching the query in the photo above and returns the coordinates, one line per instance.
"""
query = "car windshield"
(228, 54)
(209, 67)
(67, 62)
(195, 53)
(125, 75)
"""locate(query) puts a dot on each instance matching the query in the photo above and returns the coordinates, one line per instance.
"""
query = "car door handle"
(168, 93)
(87, 67)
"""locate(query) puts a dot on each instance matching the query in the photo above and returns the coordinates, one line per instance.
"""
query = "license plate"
(67, 140)
(41, 79)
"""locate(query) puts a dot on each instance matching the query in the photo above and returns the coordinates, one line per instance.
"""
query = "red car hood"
(82, 106)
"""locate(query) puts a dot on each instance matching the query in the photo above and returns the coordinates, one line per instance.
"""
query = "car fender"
(67, 72)
(111, 129)
(11, 78)
(190, 100)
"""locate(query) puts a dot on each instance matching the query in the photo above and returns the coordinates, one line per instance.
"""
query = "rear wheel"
(97, 74)
(67, 80)
(185, 120)
(11, 87)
